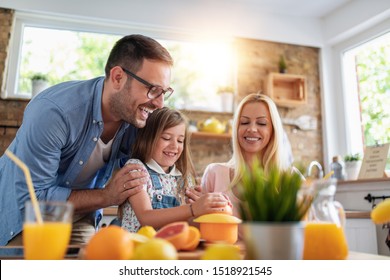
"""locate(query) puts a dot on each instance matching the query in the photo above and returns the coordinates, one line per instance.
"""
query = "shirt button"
(100, 123)
(95, 139)
(81, 162)
(12, 233)
(159, 197)
(94, 121)
(67, 182)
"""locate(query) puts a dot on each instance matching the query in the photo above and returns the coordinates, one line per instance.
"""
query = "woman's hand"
(193, 194)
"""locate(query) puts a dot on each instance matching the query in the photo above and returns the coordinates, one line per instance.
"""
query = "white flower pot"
(227, 101)
(37, 86)
(352, 169)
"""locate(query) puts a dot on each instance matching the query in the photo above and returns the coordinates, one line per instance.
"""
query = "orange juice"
(324, 241)
(47, 241)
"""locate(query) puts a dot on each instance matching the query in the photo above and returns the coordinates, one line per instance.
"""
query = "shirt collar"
(152, 164)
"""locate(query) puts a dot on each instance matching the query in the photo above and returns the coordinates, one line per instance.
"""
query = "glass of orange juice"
(47, 240)
(324, 232)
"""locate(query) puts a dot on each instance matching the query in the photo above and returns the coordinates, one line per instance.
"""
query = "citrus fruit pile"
(115, 243)
(381, 213)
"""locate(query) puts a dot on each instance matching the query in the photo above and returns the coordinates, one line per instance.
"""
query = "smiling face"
(169, 146)
(131, 104)
(254, 129)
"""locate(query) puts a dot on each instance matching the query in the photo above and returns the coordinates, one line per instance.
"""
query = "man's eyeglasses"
(154, 91)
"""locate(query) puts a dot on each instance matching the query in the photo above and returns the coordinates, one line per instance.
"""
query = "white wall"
(354, 18)
(196, 17)
(220, 17)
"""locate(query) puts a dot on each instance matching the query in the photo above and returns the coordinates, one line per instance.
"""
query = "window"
(367, 83)
(68, 55)
(69, 49)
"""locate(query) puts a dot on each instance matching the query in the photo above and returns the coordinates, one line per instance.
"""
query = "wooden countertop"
(362, 181)
(75, 253)
(358, 214)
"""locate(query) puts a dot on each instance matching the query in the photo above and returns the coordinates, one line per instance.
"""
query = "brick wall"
(258, 58)
(255, 60)
(11, 112)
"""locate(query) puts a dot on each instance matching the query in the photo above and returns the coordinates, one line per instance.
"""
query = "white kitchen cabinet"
(361, 233)
(361, 236)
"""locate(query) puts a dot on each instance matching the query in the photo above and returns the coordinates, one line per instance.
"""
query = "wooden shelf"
(287, 90)
(207, 135)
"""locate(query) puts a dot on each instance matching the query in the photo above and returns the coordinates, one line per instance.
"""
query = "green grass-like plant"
(39, 76)
(352, 157)
(272, 197)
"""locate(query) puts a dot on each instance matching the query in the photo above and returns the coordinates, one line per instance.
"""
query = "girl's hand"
(210, 203)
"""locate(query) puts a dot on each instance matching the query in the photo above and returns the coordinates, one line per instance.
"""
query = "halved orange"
(176, 233)
(193, 239)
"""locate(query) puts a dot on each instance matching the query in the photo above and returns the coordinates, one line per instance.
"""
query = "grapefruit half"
(176, 233)
(193, 239)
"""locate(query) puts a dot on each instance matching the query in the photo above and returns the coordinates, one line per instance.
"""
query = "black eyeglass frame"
(167, 92)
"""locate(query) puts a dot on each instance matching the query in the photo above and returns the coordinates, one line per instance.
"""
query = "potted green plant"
(272, 208)
(227, 97)
(39, 82)
(282, 65)
(352, 163)
(225, 89)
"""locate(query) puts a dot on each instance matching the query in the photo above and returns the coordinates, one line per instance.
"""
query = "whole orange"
(110, 243)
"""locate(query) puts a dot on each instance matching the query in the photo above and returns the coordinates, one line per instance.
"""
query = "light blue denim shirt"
(60, 129)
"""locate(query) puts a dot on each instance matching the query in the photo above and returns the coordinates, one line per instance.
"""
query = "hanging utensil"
(303, 122)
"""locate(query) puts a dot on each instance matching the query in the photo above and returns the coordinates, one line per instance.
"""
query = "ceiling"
(304, 8)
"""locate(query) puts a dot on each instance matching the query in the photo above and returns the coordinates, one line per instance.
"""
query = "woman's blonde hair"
(273, 154)
(147, 137)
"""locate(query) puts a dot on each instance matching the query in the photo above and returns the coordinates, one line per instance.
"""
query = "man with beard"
(75, 134)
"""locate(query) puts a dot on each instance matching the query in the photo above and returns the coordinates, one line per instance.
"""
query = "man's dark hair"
(130, 52)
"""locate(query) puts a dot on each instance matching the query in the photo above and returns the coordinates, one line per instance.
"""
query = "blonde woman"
(257, 134)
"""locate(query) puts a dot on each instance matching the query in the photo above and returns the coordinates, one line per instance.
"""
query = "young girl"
(163, 148)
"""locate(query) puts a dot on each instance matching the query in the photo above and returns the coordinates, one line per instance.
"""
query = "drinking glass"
(49, 239)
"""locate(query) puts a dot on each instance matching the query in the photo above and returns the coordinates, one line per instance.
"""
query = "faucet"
(319, 167)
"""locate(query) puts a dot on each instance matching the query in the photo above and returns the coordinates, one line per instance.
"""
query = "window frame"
(24, 19)
(341, 106)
